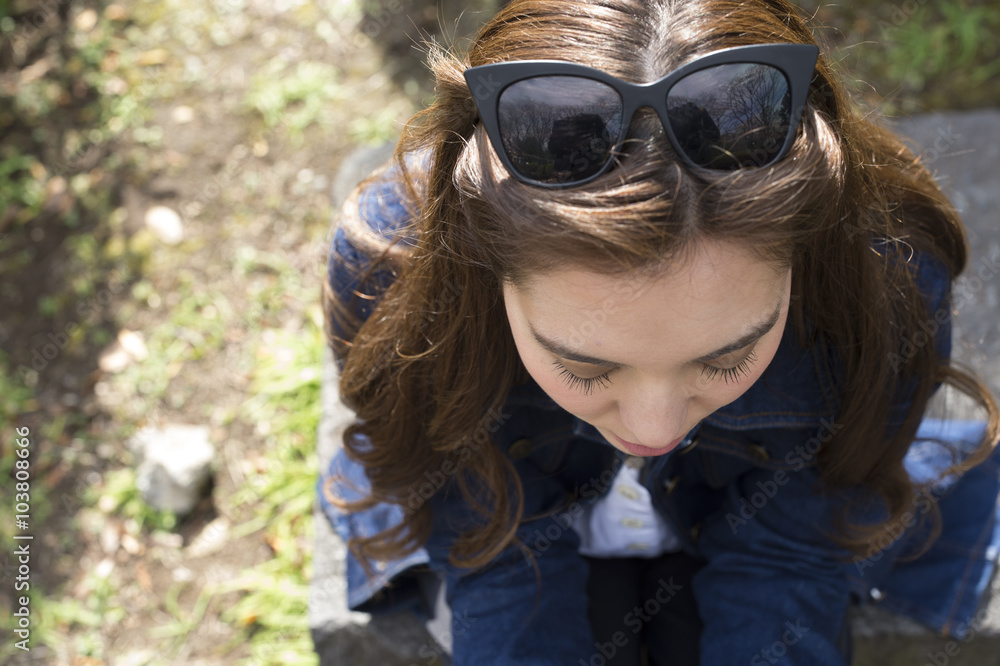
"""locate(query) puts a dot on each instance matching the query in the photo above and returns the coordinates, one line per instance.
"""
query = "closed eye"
(733, 373)
(585, 385)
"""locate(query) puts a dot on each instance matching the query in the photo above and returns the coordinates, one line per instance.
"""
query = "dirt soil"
(238, 181)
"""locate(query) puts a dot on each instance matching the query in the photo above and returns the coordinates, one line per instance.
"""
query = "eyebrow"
(757, 332)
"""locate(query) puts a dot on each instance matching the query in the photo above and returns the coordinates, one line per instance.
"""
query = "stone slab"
(962, 150)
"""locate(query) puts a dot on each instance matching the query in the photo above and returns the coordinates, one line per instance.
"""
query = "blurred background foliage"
(915, 55)
(224, 327)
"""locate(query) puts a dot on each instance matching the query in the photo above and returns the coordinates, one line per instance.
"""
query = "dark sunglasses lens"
(731, 116)
(559, 129)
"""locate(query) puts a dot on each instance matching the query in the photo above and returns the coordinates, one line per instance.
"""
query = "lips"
(640, 450)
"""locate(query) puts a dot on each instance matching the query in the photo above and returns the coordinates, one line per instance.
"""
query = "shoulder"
(374, 232)
(933, 279)
(930, 272)
(378, 215)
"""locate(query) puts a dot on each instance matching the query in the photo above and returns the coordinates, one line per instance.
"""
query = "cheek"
(575, 400)
(719, 393)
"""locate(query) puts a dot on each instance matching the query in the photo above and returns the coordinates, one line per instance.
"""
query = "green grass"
(271, 614)
(284, 404)
(918, 55)
(941, 50)
(294, 97)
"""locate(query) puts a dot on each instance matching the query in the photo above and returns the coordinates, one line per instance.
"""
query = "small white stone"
(104, 568)
(86, 20)
(166, 224)
(175, 465)
(116, 85)
(131, 545)
(110, 538)
(137, 657)
(167, 539)
(113, 359)
(133, 343)
(182, 574)
(107, 503)
(182, 114)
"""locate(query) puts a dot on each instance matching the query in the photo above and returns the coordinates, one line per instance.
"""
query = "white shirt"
(624, 523)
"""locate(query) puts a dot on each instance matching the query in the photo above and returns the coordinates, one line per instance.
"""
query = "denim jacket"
(739, 492)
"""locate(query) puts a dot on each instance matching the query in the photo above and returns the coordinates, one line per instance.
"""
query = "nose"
(653, 416)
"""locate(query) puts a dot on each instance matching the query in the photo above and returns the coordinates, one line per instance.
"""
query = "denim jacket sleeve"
(525, 608)
(376, 213)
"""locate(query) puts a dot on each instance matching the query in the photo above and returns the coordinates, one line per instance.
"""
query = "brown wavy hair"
(436, 358)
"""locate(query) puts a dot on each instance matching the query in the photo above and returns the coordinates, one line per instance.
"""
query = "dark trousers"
(643, 609)
(643, 612)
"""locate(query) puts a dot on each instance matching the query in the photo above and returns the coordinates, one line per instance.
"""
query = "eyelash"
(587, 384)
(735, 373)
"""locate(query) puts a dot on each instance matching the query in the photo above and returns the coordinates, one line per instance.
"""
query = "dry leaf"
(115, 13)
(153, 57)
(143, 578)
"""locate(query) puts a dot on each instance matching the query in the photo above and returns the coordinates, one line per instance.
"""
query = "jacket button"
(628, 492)
(759, 452)
(670, 486)
(520, 449)
(693, 443)
(695, 531)
(876, 594)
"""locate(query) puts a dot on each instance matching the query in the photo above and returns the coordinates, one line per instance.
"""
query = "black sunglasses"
(559, 124)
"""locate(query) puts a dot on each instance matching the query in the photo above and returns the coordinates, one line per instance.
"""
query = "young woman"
(640, 329)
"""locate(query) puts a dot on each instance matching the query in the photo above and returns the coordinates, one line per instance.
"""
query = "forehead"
(709, 271)
(713, 295)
